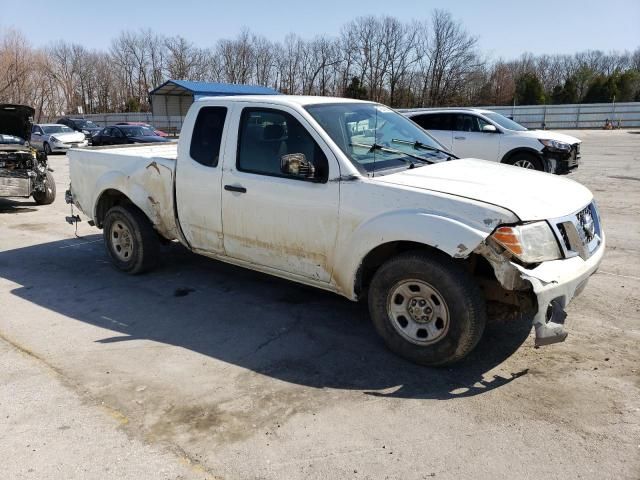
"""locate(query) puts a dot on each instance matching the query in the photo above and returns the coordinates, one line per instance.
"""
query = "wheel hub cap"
(121, 241)
(420, 309)
(418, 312)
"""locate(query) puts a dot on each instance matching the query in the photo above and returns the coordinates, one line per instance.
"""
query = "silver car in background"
(53, 137)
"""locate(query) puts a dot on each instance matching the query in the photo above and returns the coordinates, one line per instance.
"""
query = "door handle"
(235, 188)
(460, 138)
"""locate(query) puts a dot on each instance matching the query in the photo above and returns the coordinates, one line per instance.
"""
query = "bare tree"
(452, 56)
(433, 62)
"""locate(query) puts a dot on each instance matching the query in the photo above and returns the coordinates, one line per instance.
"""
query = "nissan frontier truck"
(352, 197)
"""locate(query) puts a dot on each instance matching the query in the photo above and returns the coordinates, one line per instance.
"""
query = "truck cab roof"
(290, 100)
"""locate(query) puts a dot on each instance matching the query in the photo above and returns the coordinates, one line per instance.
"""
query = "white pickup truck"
(351, 197)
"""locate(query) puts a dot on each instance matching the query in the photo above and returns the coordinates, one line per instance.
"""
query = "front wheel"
(130, 239)
(426, 308)
(47, 148)
(526, 160)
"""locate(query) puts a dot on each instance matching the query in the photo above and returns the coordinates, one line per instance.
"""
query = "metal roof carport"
(174, 97)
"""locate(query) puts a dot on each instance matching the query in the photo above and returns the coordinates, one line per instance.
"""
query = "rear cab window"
(207, 136)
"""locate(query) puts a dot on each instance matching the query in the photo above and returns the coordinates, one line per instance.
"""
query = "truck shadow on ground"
(15, 206)
(273, 327)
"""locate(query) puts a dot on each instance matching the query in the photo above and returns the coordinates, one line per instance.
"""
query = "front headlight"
(54, 139)
(530, 243)
(555, 144)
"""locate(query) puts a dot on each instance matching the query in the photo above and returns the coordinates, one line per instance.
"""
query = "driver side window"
(267, 137)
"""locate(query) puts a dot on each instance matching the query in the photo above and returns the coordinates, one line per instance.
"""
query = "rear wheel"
(426, 308)
(130, 239)
(47, 196)
(526, 160)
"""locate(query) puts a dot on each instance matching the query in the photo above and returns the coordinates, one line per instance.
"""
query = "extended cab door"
(469, 140)
(198, 177)
(274, 219)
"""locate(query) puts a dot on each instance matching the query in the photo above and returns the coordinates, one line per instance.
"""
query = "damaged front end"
(23, 169)
(545, 286)
(517, 290)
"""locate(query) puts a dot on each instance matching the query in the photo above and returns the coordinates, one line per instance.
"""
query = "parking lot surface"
(204, 370)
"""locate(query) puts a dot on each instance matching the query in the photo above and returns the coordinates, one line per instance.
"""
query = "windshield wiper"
(382, 148)
(416, 144)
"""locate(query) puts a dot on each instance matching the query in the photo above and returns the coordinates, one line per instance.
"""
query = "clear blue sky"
(505, 28)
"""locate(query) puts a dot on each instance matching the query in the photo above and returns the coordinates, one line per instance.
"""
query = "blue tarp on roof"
(205, 89)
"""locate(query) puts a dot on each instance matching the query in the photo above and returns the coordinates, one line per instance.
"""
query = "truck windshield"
(376, 138)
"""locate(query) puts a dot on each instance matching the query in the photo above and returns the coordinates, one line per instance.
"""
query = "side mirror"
(490, 129)
(296, 164)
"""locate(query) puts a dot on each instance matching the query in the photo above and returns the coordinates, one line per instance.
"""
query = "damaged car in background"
(24, 171)
(354, 198)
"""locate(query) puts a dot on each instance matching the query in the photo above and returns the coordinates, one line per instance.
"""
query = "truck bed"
(167, 151)
(144, 173)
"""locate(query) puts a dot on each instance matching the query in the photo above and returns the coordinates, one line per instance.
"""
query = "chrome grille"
(565, 237)
(587, 224)
(580, 233)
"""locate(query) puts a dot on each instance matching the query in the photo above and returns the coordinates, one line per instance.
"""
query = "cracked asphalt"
(203, 370)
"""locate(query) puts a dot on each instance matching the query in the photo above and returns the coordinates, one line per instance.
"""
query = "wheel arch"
(387, 235)
(145, 189)
(108, 198)
(514, 151)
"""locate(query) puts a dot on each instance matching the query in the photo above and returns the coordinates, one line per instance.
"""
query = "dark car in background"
(126, 134)
(80, 125)
(160, 133)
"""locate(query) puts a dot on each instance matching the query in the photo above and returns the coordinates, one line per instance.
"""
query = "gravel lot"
(203, 370)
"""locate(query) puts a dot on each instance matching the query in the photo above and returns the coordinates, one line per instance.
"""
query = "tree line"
(434, 62)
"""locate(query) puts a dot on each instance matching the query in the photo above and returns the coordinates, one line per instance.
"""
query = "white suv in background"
(477, 133)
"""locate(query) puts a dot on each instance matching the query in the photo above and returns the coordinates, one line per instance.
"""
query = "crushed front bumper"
(555, 284)
(562, 162)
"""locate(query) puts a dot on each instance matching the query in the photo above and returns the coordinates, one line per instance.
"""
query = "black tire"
(140, 238)
(47, 148)
(49, 195)
(463, 302)
(518, 159)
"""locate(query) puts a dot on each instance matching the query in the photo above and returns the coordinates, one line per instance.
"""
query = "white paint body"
(319, 233)
(494, 146)
(59, 141)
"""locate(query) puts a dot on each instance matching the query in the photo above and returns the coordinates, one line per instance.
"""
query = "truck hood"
(16, 120)
(549, 135)
(529, 194)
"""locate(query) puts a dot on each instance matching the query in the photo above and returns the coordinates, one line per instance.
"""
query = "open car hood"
(16, 120)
